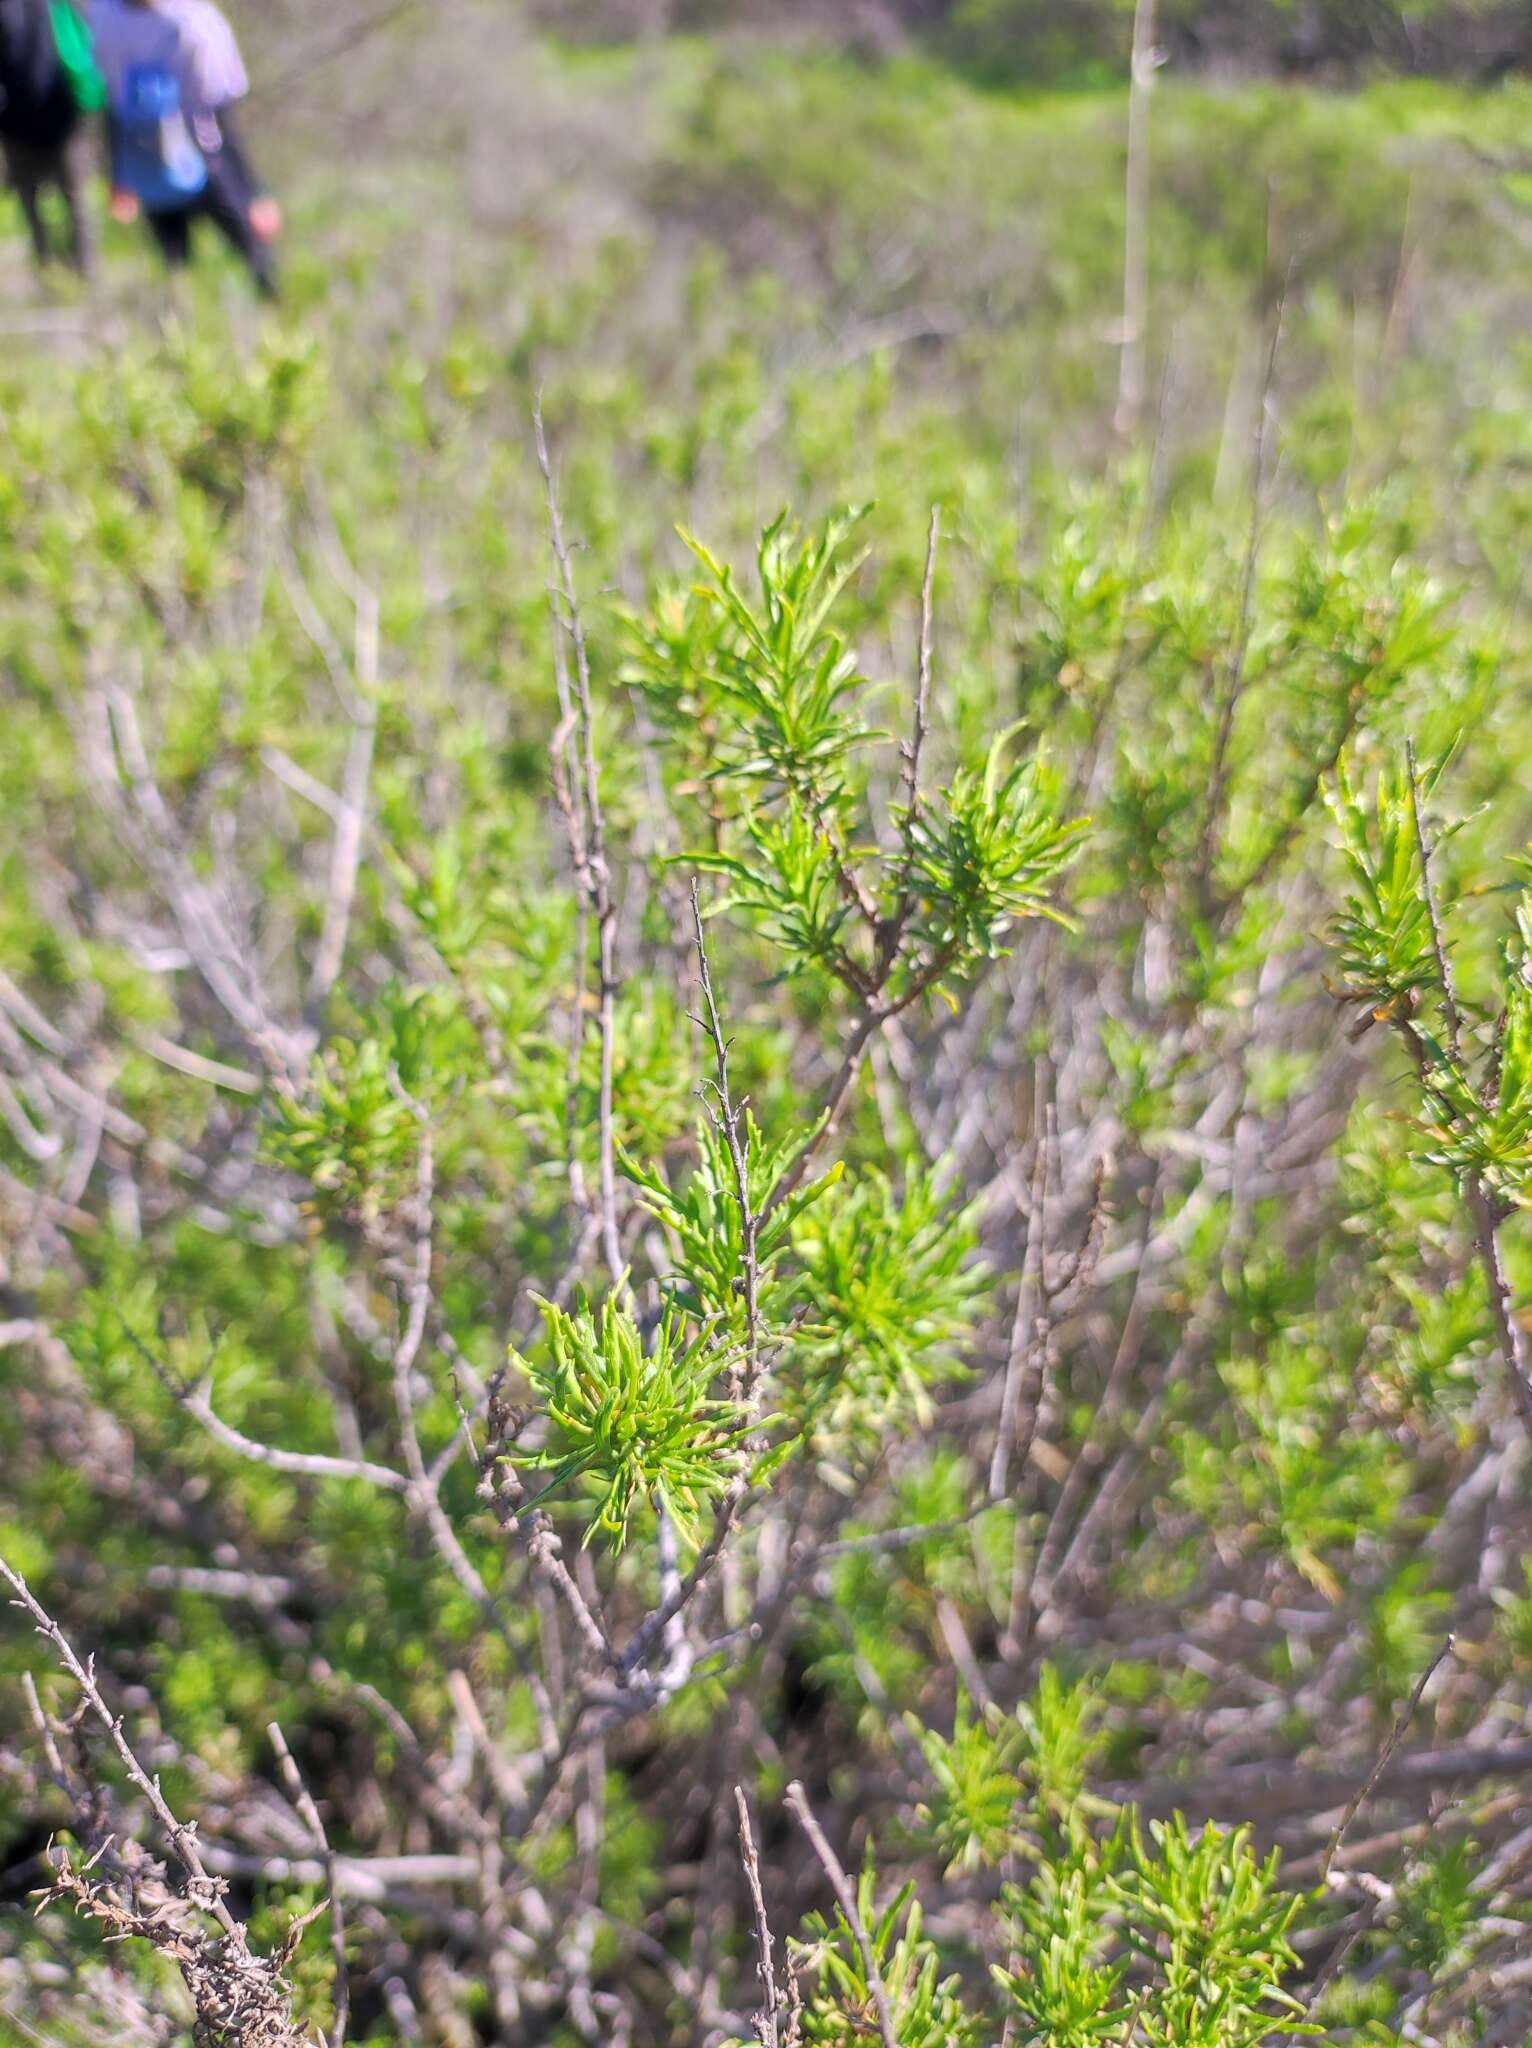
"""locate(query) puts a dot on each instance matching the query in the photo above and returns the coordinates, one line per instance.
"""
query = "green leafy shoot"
(894, 1287)
(1439, 1904)
(792, 888)
(1061, 1986)
(350, 1133)
(1062, 1739)
(1192, 1925)
(1383, 933)
(707, 1229)
(1211, 1922)
(789, 675)
(988, 855)
(840, 2011)
(1392, 948)
(638, 1424)
(1486, 1138)
(969, 1820)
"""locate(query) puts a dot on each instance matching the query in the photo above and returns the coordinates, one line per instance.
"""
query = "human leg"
(73, 177)
(172, 231)
(24, 167)
(226, 202)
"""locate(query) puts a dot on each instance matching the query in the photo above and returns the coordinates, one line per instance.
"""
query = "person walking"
(42, 138)
(174, 75)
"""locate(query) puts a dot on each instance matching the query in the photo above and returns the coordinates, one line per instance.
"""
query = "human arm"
(264, 212)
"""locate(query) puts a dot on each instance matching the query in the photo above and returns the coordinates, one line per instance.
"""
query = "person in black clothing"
(41, 133)
(233, 202)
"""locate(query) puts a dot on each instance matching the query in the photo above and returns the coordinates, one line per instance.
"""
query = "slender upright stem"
(728, 1121)
(1239, 653)
(1024, 1323)
(1515, 1349)
(1132, 378)
(845, 1898)
(1395, 1736)
(1428, 888)
(913, 750)
(767, 2027)
(597, 873)
(308, 1813)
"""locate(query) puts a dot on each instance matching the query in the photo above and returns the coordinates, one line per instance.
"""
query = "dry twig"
(845, 1898)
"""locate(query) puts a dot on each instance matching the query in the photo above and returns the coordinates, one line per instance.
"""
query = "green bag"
(78, 57)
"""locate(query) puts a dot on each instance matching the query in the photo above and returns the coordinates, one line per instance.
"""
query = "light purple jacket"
(190, 38)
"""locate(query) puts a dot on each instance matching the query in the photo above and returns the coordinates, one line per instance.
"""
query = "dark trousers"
(225, 201)
(32, 169)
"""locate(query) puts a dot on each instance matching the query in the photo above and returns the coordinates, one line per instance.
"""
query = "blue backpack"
(154, 155)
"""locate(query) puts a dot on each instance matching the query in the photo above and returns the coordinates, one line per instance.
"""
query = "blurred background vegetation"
(836, 252)
(1021, 42)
